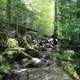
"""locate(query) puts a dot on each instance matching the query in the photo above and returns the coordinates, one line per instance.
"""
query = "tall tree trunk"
(8, 10)
(55, 27)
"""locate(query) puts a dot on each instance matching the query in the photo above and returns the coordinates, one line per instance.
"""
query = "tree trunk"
(8, 10)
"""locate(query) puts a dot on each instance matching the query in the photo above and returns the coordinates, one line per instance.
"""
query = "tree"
(8, 10)
(45, 19)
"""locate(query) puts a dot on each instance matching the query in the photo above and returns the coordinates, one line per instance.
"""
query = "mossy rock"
(11, 42)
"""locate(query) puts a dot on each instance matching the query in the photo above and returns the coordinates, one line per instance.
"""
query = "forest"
(39, 40)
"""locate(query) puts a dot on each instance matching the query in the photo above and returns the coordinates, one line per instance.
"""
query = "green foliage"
(69, 26)
(68, 54)
(33, 14)
(2, 10)
(3, 68)
(68, 20)
(39, 14)
(44, 21)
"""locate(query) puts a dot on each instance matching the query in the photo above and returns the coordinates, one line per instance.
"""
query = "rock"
(36, 60)
(11, 42)
(52, 72)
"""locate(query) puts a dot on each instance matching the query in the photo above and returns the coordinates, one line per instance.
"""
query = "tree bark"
(8, 10)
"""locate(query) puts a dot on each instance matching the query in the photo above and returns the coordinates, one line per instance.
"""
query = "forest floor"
(33, 54)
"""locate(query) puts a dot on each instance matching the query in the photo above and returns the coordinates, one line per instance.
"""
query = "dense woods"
(37, 34)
